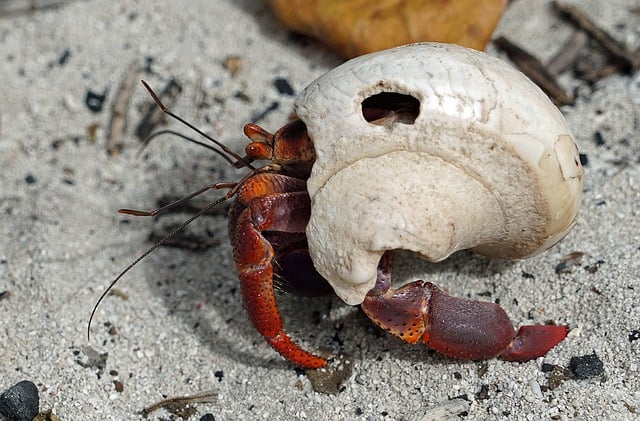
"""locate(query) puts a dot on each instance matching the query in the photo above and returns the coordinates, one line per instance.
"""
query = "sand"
(178, 327)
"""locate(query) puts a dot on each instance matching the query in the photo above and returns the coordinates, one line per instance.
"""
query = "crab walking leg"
(264, 204)
(456, 327)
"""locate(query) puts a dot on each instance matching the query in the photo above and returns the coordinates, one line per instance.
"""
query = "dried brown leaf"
(362, 26)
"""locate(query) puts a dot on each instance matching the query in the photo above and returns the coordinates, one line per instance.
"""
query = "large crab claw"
(456, 327)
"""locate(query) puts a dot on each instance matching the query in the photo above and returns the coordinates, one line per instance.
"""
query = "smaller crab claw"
(456, 327)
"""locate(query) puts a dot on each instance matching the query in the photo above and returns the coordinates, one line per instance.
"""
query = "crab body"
(427, 147)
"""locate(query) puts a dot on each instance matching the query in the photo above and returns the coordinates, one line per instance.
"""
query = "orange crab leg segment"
(268, 202)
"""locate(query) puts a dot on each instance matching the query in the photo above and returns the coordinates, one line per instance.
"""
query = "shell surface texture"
(432, 148)
(488, 163)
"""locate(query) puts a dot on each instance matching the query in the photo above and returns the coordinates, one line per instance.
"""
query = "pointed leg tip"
(534, 341)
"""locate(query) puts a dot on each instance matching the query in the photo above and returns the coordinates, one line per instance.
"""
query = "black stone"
(95, 101)
(283, 86)
(20, 402)
(586, 366)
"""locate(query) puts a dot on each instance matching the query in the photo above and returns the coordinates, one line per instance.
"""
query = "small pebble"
(283, 86)
(586, 366)
(535, 388)
(20, 402)
(95, 101)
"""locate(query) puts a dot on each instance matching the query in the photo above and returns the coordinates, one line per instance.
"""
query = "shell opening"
(388, 108)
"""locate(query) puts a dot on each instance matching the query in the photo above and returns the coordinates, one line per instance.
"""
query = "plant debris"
(47, 415)
(535, 70)
(182, 406)
(615, 56)
(118, 122)
(569, 261)
(233, 64)
(329, 379)
(622, 57)
(558, 375)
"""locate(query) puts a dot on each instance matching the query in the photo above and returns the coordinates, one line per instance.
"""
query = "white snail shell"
(489, 164)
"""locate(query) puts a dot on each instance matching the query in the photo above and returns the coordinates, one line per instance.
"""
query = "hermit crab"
(431, 148)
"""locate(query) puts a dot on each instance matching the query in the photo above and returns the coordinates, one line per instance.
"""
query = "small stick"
(15, 8)
(535, 70)
(568, 53)
(626, 59)
(181, 401)
(118, 123)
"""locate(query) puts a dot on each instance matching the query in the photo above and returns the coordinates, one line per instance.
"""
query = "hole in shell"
(389, 108)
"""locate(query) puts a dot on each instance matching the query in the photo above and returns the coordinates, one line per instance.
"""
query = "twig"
(10, 8)
(535, 70)
(118, 123)
(177, 404)
(625, 58)
(568, 53)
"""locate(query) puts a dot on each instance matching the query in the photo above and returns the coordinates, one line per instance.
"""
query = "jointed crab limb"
(455, 327)
(267, 202)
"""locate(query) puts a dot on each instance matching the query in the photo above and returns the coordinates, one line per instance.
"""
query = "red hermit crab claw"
(456, 327)
(534, 341)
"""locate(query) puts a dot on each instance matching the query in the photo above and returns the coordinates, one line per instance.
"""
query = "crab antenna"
(189, 139)
(240, 160)
(151, 249)
(216, 186)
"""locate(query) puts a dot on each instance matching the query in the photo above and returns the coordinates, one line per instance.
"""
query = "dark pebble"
(20, 402)
(634, 335)
(207, 417)
(483, 393)
(283, 86)
(586, 366)
(64, 57)
(598, 139)
(95, 101)
(547, 368)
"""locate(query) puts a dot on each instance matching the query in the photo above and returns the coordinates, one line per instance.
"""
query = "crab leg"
(268, 202)
(456, 327)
